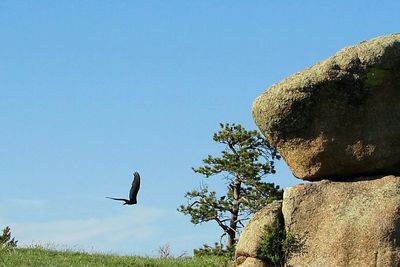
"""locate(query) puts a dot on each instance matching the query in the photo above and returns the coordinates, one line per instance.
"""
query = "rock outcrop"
(345, 223)
(336, 124)
(339, 118)
(250, 239)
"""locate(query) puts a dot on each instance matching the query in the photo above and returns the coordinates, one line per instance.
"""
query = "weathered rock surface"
(341, 117)
(348, 224)
(250, 239)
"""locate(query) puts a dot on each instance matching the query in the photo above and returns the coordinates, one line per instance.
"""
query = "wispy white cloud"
(98, 233)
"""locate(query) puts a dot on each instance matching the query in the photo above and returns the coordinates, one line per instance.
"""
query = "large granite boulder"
(341, 117)
(354, 223)
(250, 239)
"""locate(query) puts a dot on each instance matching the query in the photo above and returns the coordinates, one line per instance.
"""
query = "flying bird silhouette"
(133, 193)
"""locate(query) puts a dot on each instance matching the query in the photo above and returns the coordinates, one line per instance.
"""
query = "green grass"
(38, 257)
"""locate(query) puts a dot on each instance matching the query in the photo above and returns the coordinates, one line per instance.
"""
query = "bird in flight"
(133, 193)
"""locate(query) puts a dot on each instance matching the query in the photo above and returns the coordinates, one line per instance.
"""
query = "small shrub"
(6, 240)
(293, 245)
(277, 246)
(217, 250)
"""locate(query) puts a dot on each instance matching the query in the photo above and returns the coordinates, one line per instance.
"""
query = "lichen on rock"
(316, 115)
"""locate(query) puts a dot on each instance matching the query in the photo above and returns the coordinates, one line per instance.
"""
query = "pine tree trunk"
(234, 214)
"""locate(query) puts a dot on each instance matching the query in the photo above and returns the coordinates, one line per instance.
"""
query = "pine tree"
(5, 238)
(246, 159)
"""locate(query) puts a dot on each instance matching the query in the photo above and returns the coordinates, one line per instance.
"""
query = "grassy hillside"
(38, 257)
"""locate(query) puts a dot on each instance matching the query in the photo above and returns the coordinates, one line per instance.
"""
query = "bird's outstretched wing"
(120, 199)
(135, 187)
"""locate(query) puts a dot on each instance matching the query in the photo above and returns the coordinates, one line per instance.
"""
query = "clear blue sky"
(92, 90)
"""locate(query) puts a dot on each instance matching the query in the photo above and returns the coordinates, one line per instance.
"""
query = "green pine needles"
(246, 159)
(6, 240)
